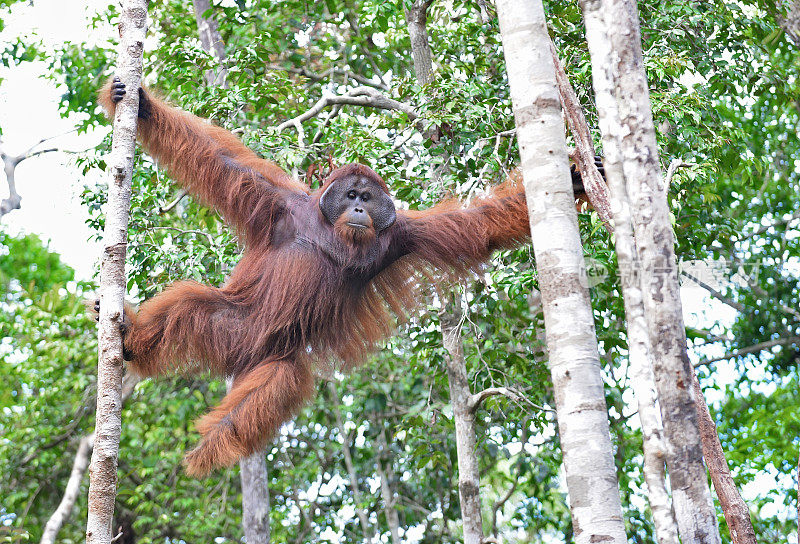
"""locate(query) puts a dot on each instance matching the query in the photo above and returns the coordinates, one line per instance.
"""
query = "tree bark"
(108, 426)
(643, 381)
(612, 30)
(211, 41)
(255, 498)
(469, 481)
(736, 512)
(569, 322)
(450, 318)
(363, 517)
(417, 19)
(387, 493)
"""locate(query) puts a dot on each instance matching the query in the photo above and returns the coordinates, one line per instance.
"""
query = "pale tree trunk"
(255, 495)
(612, 32)
(450, 323)
(71, 492)
(417, 20)
(469, 481)
(79, 467)
(571, 341)
(253, 469)
(387, 492)
(211, 41)
(108, 425)
(791, 22)
(363, 516)
(639, 351)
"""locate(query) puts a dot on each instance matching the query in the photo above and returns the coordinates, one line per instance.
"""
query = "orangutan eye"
(352, 195)
(365, 196)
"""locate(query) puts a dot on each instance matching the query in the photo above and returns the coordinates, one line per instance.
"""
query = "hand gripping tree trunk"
(108, 425)
(571, 340)
(648, 264)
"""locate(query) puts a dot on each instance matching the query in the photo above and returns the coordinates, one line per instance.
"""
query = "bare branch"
(79, 467)
(477, 398)
(714, 293)
(164, 209)
(755, 348)
(182, 231)
(64, 508)
(360, 96)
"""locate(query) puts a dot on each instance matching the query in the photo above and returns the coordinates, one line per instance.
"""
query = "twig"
(182, 231)
(714, 293)
(755, 348)
(164, 209)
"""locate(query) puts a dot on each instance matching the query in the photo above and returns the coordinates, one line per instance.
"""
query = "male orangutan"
(323, 275)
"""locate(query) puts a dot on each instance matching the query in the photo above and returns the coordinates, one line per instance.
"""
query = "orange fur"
(305, 293)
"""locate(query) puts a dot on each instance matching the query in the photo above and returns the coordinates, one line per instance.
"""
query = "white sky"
(49, 184)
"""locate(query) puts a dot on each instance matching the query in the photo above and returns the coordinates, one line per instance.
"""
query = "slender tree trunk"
(255, 495)
(71, 492)
(363, 516)
(211, 41)
(255, 498)
(569, 322)
(736, 512)
(417, 19)
(612, 31)
(387, 493)
(469, 482)
(108, 425)
(450, 323)
(252, 469)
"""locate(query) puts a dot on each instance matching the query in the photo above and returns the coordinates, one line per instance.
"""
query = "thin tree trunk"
(79, 466)
(569, 323)
(255, 498)
(363, 517)
(450, 324)
(211, 41)
(736, 512)
(639, 352)
(469, 481)
(417, 19)
(71, 492)
(387, 493)
(255, 494)
(252, 469)
(612, 31)
(108, 425)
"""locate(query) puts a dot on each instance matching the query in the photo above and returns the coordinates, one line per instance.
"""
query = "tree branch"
(714, 293)
(755, 348)
(477, 398)
(360, 96)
